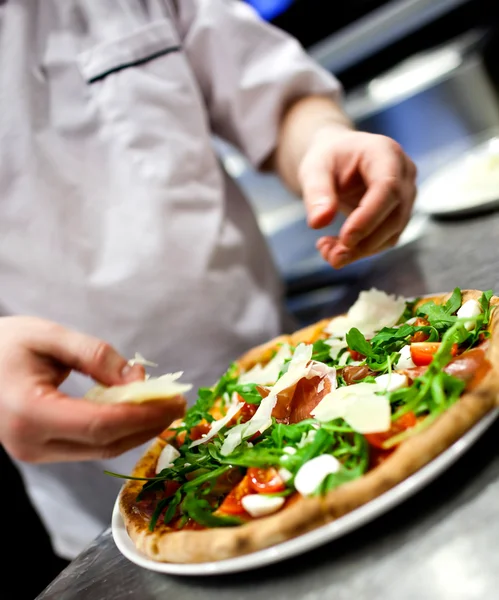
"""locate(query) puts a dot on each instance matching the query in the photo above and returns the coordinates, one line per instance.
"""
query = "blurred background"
(424, 72)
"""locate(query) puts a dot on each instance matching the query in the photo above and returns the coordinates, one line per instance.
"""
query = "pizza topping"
(265, 481)
(360, 405)
(403, 423)
(298, 367)
(471, 308)
(336, 345)
(471, 367)
(421, 335)
(232, 505)
(268, 374)
(405, 360)
(312, 473)
(167, 457)
(258, 505)
(296, 424)
(284, 474)
(422, 353)
(354, 374)
(372, 311)
(392, 381)
(216, 426)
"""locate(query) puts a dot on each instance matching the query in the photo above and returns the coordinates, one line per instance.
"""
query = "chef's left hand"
(366, 176)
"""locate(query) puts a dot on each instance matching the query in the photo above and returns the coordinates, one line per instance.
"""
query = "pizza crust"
(307, 514)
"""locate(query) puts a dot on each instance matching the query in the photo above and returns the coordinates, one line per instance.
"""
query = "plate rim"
(437, 179)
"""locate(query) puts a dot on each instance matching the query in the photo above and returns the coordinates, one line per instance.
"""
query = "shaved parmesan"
(216, 426)
(268, 374)
(262, 419)
(373, 310)
(167, 457)
(154, 388)
(369, 414)
(365, 410)
(138, 359)
(336, 345)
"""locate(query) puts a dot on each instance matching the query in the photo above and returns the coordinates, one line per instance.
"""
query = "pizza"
(310, 426)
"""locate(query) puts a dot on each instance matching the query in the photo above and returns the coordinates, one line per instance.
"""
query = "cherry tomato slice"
(420, 336)
(232, 502)
(265, 481)
(401, 424)
(170, 488)
(198, 431)
(422, 353)
(247, 411)
(356, 355)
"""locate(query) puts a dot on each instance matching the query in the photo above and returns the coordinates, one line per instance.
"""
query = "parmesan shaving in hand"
(155, 388)
(138, 359)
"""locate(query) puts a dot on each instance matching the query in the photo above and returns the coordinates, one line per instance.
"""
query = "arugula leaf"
(200, 511)
(408, 311)
(391, 339)
(206, 399)
(377, 358)
(486, 306)
(441, 316)
(157, 511)
(358, 343)
(334, 480)
(247, 391)
(321, 352)
(171, 510)
(435, 388)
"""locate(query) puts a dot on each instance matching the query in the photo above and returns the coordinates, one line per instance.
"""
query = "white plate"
(314, 538)
(466, 185)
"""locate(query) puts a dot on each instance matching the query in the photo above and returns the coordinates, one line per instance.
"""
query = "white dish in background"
(317, 537)
(466, 185)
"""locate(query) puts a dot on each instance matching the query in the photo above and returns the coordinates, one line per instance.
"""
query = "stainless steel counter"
(441, 544)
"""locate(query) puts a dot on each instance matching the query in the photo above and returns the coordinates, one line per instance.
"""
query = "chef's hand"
(366, 176)
(38, 423)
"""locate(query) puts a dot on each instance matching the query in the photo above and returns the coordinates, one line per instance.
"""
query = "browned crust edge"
(309, 513)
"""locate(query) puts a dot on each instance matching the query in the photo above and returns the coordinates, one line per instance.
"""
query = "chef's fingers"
(386, 236)
(318, 190)
(53, 415)
(389, 179)
(87, 354)
(68, 451)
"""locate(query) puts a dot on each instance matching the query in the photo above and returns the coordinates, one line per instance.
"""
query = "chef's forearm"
(301, 123)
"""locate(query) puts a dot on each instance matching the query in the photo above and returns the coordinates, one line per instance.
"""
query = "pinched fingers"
(384, 209)
(49, 420)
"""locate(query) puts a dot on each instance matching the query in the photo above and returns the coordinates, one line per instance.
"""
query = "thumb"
(89, 355)
(319, 194)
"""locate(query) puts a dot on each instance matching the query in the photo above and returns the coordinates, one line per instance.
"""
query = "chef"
(120, 232)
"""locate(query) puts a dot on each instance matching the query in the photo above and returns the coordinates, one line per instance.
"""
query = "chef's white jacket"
(116, 217)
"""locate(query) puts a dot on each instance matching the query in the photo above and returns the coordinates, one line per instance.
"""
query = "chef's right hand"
(38, 423)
